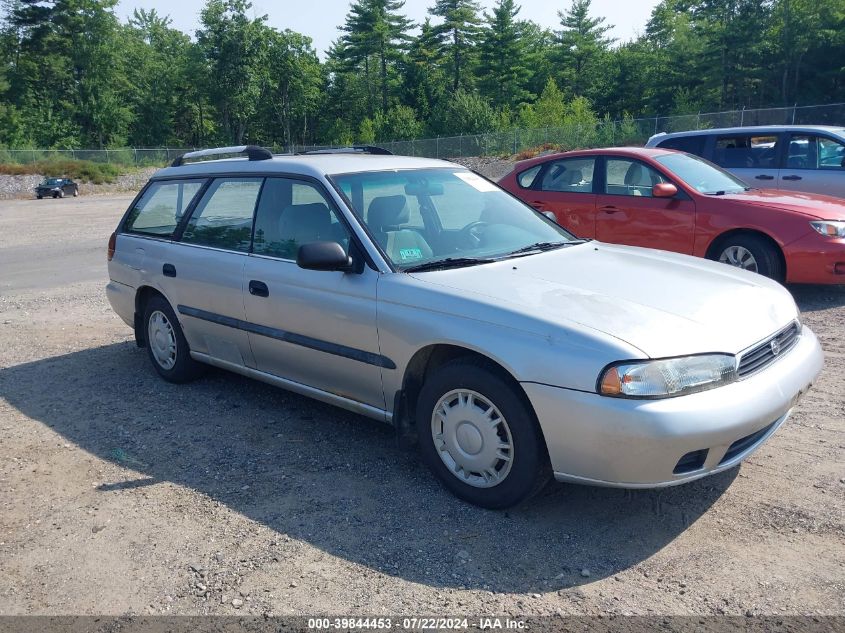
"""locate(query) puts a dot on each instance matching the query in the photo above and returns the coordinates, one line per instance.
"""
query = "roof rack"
(253, 152)
(353, 149)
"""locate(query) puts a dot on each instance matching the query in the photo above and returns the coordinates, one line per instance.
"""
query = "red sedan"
(678, 202)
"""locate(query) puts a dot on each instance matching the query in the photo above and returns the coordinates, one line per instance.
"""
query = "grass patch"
(536, 151)
(80, 170)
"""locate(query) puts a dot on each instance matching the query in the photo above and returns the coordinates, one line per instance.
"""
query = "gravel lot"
(120, 493)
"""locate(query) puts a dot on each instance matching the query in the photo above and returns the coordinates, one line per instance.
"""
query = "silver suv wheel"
(162, 340)
(472, 438)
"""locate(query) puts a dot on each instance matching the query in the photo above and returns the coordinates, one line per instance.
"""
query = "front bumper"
(815, 259)
(638, 443)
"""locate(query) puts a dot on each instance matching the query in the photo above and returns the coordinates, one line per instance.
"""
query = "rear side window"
(758, 152)
(689, 144)
(162, 206)
(223, 218)
(573, 175)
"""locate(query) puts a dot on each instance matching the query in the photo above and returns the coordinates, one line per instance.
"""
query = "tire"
(40, 197)
(61, 193)
(177, 366)
(508, 482)
(754, 252)
(76, 192)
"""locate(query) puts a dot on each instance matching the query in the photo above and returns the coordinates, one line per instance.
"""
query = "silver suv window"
(223, 218)
(292, 213)
(162, 206)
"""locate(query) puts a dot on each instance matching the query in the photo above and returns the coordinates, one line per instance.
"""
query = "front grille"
(768, 351)
(745, 443)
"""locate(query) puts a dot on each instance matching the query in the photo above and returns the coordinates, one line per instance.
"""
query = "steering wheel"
(473, 231)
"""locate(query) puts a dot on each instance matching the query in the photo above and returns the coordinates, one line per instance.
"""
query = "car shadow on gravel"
(336, 480)
(812, 298)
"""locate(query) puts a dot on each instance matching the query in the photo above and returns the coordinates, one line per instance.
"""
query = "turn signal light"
(112, 244)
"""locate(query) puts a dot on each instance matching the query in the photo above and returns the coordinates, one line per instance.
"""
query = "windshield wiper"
(449, 262)
(543, 246)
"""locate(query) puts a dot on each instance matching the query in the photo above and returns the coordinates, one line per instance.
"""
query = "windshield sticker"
(475, 181)
(408, 254)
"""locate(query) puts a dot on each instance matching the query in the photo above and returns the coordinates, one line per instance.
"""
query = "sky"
(319, 19)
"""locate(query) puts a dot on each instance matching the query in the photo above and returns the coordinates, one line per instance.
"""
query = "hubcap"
(740, 257)
(162, 340)
(472, 438)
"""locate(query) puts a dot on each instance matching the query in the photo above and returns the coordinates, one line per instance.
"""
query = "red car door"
(627, 213)
(565, 187)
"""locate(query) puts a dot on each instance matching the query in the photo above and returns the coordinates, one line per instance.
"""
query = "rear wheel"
(76, 192)
(752, 253)
(166, 344)
(479, 437)
(40, 197)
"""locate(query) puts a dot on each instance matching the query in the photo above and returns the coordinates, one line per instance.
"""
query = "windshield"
(421, 217)
(52, 181)
(700, 174)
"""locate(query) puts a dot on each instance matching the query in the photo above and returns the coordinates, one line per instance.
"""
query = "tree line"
(73, 75)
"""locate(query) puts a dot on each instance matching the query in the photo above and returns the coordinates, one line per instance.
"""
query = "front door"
(311, 327)
(815, 164)
(627, 213)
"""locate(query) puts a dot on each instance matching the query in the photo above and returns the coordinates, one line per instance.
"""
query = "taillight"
(112, 243)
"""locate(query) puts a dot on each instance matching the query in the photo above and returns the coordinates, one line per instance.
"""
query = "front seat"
(385, 217)
(637, 178)
(303, 223)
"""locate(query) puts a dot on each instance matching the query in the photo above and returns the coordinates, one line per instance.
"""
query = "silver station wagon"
(418, 293)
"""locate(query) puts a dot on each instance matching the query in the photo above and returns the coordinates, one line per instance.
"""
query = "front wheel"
(752, 253)
(61, 193)
(479, 437)
(166, 344)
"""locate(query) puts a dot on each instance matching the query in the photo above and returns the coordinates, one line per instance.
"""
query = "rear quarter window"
(161, 207)
(689, 144)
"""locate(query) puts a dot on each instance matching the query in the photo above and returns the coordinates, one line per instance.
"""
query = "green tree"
(503, 56)
(235, 49)
(423, 80)
(457, 35)
(582, 44)
(463, 112)
(400, 123)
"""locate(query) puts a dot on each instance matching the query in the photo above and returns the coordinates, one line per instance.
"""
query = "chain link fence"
(603, 133)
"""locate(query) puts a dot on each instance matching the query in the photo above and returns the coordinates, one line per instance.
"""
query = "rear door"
(814, 163)
(627, 212)
(314, 328)
(565, 187)
(751, 157)
(203, 273)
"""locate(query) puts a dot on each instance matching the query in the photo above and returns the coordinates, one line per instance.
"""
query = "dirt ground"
(120, 493)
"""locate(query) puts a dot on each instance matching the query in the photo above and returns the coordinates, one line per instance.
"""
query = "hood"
(809, 204)
(662, 303)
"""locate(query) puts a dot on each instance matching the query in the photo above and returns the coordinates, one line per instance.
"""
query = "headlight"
(667, 378)
(829, 228)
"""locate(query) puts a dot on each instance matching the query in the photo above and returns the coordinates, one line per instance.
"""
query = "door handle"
(791, 178)
(764, 177)
(258, 289)
(168, 270)
(610, 209)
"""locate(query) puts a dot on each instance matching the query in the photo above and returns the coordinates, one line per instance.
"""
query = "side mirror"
(325, 256)
(664, 190)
